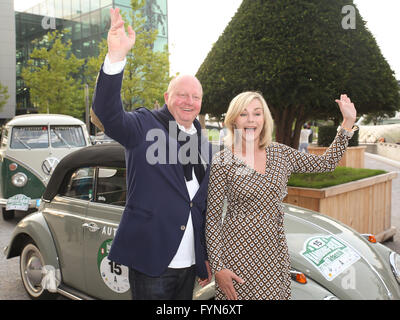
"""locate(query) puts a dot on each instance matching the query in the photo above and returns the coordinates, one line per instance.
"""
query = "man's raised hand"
(119, 43)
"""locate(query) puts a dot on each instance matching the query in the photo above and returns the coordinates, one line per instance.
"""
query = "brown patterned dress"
(250, 239)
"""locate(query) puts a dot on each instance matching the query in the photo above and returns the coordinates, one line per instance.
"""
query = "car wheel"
(31, 264)
(8, 214)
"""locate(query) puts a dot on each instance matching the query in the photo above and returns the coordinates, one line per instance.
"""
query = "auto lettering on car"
(109, 231)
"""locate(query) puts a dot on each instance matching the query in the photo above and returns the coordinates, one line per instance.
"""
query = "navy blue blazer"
(158, 203)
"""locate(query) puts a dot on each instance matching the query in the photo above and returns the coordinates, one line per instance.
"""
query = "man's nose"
(189, 99)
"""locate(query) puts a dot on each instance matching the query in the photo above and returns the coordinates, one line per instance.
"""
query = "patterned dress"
(250, 240)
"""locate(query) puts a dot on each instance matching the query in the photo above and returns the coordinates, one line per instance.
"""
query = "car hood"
(335, 256)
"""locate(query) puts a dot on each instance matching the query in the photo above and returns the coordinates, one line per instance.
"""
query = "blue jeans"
(303, 146)
(173, 284)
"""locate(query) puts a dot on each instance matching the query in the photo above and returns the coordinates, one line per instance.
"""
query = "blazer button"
(191, 204)
(183, 228)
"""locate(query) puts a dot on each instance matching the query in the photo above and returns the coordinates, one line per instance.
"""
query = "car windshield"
(67, 137)
(33, 137)
(36, 137)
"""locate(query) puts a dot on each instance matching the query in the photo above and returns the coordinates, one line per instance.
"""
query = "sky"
(194, 25)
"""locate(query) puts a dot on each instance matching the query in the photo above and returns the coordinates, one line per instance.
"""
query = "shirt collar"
(191, 130)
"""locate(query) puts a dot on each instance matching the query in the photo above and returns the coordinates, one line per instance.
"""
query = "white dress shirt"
(185, 256)
(113, 68)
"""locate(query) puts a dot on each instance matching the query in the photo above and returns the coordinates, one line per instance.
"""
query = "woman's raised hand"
(119, 43)
(348, 110)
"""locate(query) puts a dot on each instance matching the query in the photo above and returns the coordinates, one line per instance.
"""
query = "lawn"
(327, 179)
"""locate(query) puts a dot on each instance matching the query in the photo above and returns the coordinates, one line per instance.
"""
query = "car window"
(80, 185)
(29, 137)
(67, 136)
(111, 186)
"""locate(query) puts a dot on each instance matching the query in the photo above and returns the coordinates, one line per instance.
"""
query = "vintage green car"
(63, 246)
(31, 147)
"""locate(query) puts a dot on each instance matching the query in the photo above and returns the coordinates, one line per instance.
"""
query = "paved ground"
(373, 161)
(11, 287)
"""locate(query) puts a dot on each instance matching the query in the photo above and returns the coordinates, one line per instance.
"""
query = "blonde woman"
(247, 248)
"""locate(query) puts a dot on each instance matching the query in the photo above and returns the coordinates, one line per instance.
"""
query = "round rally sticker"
(114, 275)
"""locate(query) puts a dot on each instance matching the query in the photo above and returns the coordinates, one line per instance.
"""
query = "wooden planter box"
(353, 157)
(364, 205)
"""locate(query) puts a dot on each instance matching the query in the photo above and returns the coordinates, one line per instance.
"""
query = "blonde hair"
(237, 105)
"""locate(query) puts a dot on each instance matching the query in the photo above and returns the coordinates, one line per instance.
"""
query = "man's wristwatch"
(346, 132)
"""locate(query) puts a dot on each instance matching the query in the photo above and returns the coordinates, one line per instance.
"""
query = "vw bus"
(31, 147)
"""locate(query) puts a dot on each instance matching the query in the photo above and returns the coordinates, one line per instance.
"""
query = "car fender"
(310, 291)
(387, 273)
(33, 227)
(370, 268)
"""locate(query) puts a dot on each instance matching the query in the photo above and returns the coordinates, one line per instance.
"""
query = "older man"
(161, 233)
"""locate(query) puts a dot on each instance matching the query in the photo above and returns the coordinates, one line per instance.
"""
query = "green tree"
(53, 76)
(299, 55)
(93, 65)
(3, 96)
(146, 73)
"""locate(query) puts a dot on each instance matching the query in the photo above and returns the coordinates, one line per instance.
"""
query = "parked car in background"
(31, 147)
(72, 232)
(101, 137)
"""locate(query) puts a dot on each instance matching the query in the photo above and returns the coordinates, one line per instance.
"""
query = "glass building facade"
(88, 22)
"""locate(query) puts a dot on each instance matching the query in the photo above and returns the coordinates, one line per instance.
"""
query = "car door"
(65, 216)
(104, 278)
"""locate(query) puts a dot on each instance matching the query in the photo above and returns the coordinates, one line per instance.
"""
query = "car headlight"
(394, 259)
(19, 179)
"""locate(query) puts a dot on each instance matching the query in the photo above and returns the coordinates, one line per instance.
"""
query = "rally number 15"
(115, 268)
